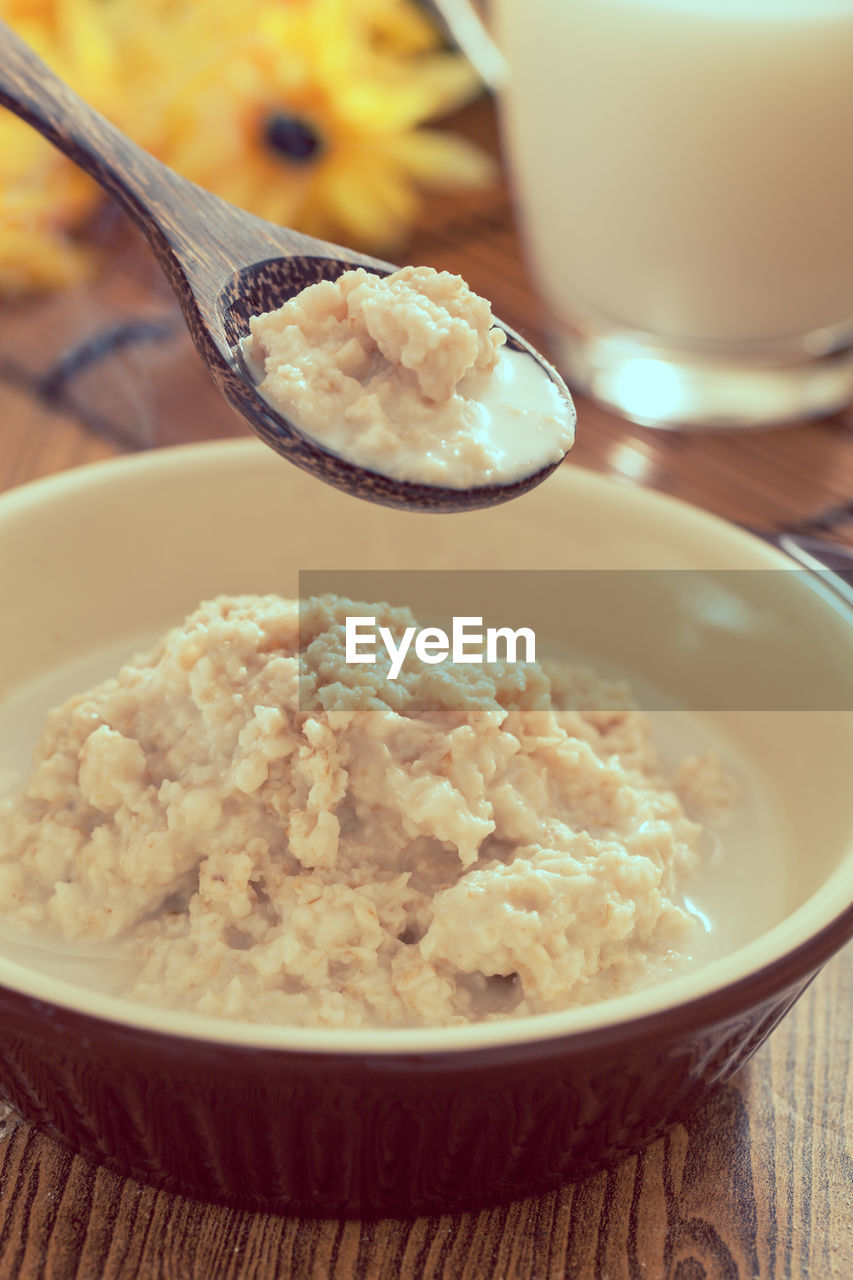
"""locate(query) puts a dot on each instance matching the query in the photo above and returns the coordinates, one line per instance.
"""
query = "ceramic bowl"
(396, 1122)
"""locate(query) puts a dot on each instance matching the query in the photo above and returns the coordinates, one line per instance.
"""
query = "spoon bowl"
(226, 265)
(264, 286)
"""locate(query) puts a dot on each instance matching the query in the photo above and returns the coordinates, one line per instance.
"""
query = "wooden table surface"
(759, 1183)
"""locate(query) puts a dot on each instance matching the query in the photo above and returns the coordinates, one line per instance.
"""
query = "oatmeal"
(464, 843)
(408, 375)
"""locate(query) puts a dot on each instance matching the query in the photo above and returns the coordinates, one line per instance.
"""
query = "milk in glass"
(684, 168)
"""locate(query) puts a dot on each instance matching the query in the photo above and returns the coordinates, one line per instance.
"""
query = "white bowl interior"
(95, 559)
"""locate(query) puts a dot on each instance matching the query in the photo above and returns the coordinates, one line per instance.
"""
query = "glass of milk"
(684, 179)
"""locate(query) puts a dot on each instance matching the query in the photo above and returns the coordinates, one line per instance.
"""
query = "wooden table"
(759, 1183)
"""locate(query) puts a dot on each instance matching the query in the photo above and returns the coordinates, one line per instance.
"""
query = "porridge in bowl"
(272, 835)
(373, 1121)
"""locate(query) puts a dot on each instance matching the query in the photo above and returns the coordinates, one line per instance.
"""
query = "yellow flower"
(43, 198)
(308, 112)
(39, 204)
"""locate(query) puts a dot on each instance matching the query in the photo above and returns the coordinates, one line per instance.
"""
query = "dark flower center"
(292, 137)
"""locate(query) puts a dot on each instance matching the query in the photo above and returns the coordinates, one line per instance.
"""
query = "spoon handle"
(190, 229)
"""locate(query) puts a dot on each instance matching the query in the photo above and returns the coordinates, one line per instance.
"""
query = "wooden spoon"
(225, 265)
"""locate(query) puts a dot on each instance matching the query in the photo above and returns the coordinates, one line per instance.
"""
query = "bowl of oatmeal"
(281, 931)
